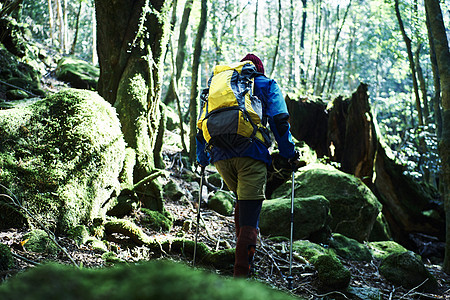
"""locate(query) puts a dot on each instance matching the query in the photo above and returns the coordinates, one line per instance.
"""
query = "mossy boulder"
(349, 249)
(173, 191)
(18, 76)
(157, 220)
(332, 274)
(146, 280)
(78, 73)
(382, 249)
(6, 258)
(222, 202)
(407, 269)
(311, 216)
(173, 120)
(353, 205)
(60, 157)
(38, 241)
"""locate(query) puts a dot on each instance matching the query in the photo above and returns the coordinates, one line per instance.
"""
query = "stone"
(349, 249)
(38, 241)
(6, 258)
(60, 157)
(353, 205)
(78, 73)
(222, 202)
(407, 269)
(311, 215)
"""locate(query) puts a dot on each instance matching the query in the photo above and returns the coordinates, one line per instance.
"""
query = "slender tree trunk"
(94, 39)
(291, 52)
(277, 45)
(65, 26)
(411, 63)
(181, 53)
(50, 21)
(74, 43)
(423, 86)
(436, 81)
(255, 33)
(60, 22)
(440, 42)
(302, 47)
(333, 56)
(194, 88)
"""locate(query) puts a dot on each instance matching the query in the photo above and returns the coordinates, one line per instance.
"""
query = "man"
(244, 168)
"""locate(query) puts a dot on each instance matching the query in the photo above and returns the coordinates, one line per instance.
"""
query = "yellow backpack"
(230, 114)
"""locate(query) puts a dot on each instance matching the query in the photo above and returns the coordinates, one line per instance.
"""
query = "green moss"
(79, 234)
(222, 202)
(309, 250)
(111, 257)
(381, 250)
(62, 156)
(6, 258)
(78, 73)
(349, 248)
(156, 220)
(38, 241)
(147, 280)
(332, 273)
(127, 228)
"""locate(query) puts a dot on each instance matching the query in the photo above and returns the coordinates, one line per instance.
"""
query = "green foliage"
(148, 280)
(6, 258)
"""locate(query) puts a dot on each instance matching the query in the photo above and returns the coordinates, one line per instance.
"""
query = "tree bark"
(194, 87)
(346, 134)
(181, 52)
(440, 42)
(50, 20)
(77, 23)
(411, 62)
(131, 45)
(277, 45)
(302, 47)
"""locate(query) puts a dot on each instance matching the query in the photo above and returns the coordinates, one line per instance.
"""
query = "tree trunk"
(411, 62)
(440, 42)
(302, 47)
(346, 134)
(50, 20)
(74, 43)
(277, 45)
(423, 86)
(194, 88)
(436, 80)
(333, 53)
(60, 22)
(256, 21)
(131, 44)
(291, 53)
(181, 52)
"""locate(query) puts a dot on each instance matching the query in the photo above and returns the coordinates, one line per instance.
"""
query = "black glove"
(295, 161)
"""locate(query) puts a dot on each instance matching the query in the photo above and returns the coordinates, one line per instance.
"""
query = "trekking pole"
(290, 278)
(202, 173)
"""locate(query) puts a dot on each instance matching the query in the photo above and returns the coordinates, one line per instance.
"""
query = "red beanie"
(256, 61)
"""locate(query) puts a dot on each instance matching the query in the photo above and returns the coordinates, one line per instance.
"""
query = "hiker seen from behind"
(238, 104)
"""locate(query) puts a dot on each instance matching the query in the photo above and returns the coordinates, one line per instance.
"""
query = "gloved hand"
(295, 161)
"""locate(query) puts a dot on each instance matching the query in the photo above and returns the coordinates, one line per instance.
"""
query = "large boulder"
(353, 206)
(407, 269)
(311, 217)
(60, 157)
(146, 280)
(78, 73)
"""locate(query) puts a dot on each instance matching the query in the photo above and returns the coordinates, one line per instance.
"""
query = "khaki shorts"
(244, 176)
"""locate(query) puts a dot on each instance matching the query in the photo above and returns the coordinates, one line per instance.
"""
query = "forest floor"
(217, 232)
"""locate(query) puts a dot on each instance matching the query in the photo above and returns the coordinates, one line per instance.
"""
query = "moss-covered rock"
(148, 280)
(6, 258)
(349, 249)
(78, 73)
(311, 215)
(127, 228)
(407, 269)
(353, 206)
(223, 259)
(332, 274)
(383, 249)
(61, 158)
(173, 191)
(222, 202)
(79, 234)
(38, 241)
(157, 220)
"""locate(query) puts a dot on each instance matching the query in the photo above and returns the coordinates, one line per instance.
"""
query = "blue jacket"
(274, 107)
